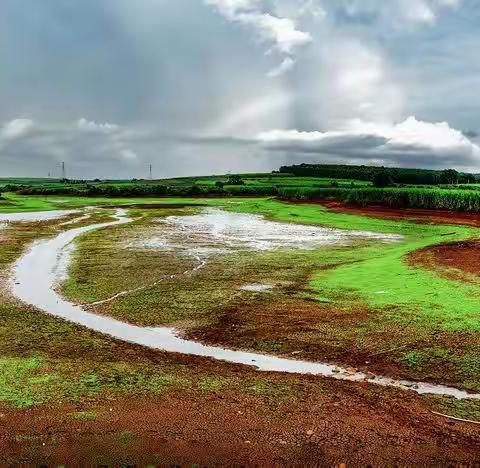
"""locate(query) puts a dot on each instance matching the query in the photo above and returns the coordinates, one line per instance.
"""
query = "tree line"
(381, 176)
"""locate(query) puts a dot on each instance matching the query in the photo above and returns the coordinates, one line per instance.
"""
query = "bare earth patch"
(459, 260)
(418, 215)
(287, 421)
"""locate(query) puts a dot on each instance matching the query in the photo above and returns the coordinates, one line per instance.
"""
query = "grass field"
(365, 306)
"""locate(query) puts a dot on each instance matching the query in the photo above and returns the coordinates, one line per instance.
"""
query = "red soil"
(417, 215)
(451, 259)
(330, 423)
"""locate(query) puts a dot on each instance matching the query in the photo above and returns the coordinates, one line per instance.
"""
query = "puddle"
(35, 277)
(216, 231)
(35, 216)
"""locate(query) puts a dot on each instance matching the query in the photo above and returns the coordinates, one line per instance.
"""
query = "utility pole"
(150, 171)
(64, 174)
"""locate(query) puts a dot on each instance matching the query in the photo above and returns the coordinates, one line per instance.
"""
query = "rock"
(309, 433)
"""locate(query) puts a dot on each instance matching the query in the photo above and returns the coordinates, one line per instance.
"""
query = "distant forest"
(382, 174)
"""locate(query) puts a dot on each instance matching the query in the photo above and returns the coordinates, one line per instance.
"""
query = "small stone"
(309, 433)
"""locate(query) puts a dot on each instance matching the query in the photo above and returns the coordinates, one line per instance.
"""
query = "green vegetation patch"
(22, 385)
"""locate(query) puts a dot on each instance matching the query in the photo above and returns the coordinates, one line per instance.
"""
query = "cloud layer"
(407, 143)
(110, 87)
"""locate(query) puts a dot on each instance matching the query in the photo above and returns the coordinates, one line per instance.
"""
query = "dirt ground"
(453, 260)
(417, 215)
(328, 423)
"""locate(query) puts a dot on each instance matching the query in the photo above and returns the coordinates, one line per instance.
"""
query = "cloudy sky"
(210, 86)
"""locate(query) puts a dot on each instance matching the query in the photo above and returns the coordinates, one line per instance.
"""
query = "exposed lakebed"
(215, 231)
(36, 275)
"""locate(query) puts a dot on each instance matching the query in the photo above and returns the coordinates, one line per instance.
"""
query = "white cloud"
(410, 142)
(344, 79)
(16, 128)
(92, 126)
(230, 8)
(282, 32)
(284, 67)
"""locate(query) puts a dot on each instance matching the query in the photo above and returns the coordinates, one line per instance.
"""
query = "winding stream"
(35, 277)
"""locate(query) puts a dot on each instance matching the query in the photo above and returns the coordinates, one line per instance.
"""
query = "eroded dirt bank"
(451, 260)
(417, 215)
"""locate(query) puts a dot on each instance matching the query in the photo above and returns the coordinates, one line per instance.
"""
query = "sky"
(198, 87)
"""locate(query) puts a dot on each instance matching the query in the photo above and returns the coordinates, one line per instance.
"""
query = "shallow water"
(36, 275)
(218, 231)
(35, 215)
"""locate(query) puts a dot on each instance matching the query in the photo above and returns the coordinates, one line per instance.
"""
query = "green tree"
(449, 176)
(235, 179)
(382, 178)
